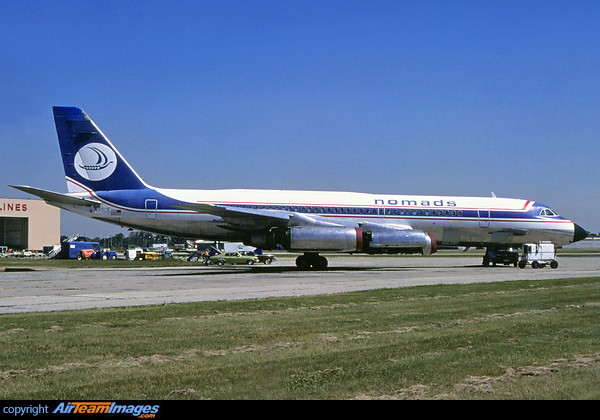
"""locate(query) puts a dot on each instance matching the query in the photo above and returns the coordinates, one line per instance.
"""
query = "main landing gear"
(311, 260)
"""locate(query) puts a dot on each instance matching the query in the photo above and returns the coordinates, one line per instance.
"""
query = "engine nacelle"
(394, 241)
(311, 238)
(345, 239)
(338, 239)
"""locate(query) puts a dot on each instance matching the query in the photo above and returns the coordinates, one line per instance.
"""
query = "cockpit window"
(548, 212)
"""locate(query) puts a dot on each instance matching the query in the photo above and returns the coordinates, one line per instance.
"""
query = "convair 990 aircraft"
(103, 186)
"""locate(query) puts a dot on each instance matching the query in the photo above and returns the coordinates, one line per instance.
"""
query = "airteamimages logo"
(95, 161)
(142, 411)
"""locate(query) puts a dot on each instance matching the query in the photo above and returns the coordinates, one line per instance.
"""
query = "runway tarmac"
(65, 289)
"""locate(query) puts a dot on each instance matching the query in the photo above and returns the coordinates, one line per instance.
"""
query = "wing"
(241, 218)
(55, 198)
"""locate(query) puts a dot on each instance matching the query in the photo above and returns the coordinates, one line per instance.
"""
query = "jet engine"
(345, 239)
(395, 241)
(311, 238)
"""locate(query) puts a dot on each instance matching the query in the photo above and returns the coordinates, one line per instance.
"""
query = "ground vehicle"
(105, 254)
(501, 256)
(85, 254)
(538, 255)
(233, 258)
(72, 249)
(96, 254)
(146, 255)
(263, 258)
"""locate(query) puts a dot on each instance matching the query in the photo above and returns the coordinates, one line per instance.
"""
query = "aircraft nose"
(579, 233)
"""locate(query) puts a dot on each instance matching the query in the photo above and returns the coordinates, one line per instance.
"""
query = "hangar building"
(28, 224)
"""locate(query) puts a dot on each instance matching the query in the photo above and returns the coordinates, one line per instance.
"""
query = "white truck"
(538, 255)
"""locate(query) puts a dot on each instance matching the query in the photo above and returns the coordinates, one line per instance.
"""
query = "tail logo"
(95, 161)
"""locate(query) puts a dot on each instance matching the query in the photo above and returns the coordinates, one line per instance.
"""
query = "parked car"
(233, 258)
(263, 258)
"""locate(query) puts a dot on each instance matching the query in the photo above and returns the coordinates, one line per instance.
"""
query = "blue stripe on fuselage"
(135, 200)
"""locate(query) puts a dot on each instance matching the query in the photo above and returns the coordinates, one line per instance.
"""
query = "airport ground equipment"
(85, 254)
(146, 255)
(539, 255)
(96, 254)
(501, 256)
(72, 249)
(84, 250)
(104, 254)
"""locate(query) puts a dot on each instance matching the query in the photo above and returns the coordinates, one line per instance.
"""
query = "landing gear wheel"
(311, 260)
(320, 263)
(302, 262)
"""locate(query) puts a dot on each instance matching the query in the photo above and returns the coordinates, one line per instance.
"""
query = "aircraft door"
(484, 217)
(151, 208)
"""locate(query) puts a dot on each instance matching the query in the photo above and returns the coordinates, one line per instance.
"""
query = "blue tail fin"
(91, 161)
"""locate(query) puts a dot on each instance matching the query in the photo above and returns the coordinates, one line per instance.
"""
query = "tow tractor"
(538, 255)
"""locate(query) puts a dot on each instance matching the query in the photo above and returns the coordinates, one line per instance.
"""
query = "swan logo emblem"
(95, 161)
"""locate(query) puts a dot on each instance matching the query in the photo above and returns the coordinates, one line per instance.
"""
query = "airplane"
(103, 186)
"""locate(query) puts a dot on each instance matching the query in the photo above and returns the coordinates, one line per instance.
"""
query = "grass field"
(505, 340)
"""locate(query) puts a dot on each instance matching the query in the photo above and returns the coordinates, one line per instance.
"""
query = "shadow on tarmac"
(271, 269)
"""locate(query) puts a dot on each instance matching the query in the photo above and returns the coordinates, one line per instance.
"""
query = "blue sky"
(408, 97)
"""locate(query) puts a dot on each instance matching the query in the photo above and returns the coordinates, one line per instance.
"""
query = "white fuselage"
(470, 221)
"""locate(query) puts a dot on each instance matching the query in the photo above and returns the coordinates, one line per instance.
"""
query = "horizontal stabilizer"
(57, 197)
